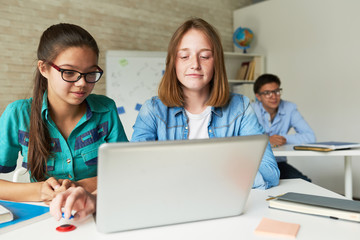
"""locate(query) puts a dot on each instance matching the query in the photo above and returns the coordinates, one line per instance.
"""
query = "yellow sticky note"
(276, 228)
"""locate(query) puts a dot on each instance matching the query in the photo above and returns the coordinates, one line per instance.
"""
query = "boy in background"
(277, 117)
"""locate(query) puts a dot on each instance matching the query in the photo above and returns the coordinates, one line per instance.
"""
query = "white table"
(288, 151)
(233, 228)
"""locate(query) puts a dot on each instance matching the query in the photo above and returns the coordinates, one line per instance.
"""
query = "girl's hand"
(65, 184)
(73, 199)
(47, 189)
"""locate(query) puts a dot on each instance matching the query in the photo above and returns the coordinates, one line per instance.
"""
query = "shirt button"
(186, 127)
(210, 131)
(69, 176)
(68, 161)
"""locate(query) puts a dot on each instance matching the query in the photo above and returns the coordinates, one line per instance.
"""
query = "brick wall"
(115, 24)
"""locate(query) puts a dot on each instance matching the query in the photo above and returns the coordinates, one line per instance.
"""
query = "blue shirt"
(74, 158)
(159, 122)
(287, 117)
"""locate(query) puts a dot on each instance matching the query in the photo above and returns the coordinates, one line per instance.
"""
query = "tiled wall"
(115, 24)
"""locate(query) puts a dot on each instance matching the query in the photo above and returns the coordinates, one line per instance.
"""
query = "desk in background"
(288, 151)
(232, 228)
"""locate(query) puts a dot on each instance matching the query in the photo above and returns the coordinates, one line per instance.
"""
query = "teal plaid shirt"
(74, 158)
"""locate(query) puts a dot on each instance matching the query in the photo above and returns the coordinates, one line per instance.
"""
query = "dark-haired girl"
(58, 130)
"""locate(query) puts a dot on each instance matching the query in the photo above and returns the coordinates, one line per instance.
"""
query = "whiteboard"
(132, 77)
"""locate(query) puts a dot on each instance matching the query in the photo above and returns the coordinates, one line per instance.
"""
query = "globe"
(242, 38)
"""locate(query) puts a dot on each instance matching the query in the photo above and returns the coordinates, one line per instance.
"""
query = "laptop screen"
(147, 184)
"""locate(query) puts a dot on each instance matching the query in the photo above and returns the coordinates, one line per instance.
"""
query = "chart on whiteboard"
(130, 81)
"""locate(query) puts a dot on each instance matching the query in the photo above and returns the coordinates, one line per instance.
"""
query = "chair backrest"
(21, 175)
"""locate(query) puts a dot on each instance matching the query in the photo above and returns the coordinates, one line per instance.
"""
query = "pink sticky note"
(276, 228)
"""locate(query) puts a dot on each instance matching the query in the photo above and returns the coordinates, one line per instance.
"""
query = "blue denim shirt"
(74, 158)
(287, 117)
(159, 122)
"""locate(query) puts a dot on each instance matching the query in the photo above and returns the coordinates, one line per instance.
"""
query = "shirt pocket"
(52, 168)
(94, 136)
(50, 163)
(90, 159)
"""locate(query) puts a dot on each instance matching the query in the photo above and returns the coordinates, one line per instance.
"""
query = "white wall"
(314, 46)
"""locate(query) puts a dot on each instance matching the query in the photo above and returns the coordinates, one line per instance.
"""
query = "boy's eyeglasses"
(268, 94)
(74, 76)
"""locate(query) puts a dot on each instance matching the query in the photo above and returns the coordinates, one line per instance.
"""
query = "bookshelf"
(233, 63)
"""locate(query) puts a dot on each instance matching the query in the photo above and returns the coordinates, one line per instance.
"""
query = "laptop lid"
(148, 184)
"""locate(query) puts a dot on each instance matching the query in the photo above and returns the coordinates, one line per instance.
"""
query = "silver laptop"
(150, 184)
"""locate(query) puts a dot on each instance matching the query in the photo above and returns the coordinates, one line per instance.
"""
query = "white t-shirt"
(198, 124)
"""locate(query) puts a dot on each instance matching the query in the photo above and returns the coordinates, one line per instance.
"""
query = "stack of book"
(246, 71)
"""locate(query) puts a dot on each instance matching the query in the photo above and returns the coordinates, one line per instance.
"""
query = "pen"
(71, 217)
(273, 197)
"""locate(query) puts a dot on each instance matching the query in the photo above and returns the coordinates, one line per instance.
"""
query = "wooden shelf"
(233, 61)
(235, 81)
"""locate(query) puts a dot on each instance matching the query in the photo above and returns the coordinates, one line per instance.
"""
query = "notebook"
(23, 214)
(158, 183)
(327, 146)
(335, 208)
(5, 214)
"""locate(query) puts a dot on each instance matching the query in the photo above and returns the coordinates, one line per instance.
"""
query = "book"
(23, 214)
(243, 70)
(275, 228)
(335, 208)
(5, 214)
(327, 146)
(258, 68)
(250, 71)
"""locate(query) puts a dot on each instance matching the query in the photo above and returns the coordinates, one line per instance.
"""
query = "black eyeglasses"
(268, 94)
(74, 76)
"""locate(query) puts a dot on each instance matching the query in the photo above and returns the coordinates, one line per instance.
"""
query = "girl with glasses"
(58, 130)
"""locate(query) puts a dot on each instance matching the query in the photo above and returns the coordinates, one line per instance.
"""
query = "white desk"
(233, 228)
(288, 151)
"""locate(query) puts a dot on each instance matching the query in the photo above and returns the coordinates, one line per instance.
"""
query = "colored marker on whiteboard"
(138, 106)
